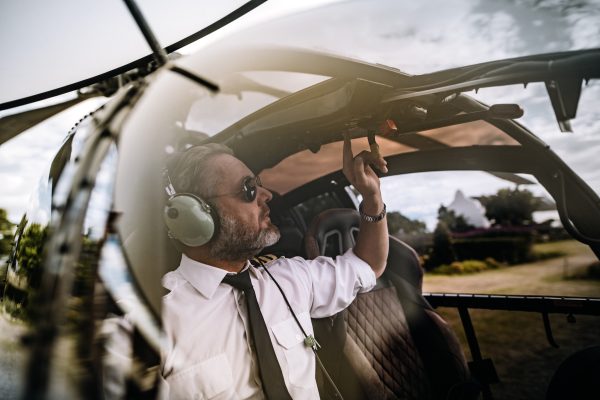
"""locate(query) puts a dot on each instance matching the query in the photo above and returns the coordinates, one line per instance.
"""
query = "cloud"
(419, 195)
(27, 157)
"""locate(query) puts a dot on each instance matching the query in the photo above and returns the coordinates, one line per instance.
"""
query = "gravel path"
(12, 359)
(539, 278)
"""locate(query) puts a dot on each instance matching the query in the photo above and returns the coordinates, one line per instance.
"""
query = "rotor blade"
(12, 125)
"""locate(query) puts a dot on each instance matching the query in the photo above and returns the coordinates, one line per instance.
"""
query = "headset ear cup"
(189, 219)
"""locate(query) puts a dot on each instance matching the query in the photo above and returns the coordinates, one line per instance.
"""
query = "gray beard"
(235, 241)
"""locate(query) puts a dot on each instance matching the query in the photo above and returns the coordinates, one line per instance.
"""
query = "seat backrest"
(378, 354)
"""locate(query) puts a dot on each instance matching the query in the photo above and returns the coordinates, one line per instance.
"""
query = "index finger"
(377, 160)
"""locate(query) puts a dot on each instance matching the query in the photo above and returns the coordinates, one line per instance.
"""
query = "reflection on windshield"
(242, 94)
(210, 115)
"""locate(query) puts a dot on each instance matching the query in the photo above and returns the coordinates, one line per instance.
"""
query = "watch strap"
(371, 218)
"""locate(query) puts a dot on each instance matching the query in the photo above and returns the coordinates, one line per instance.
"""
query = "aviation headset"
(189, 219)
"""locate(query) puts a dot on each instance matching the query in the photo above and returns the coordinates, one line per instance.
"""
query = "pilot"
(237, 329)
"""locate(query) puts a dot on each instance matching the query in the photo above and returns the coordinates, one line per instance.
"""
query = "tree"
(510, 207)
(6, 233)
(453, 222)
(442, 252)
(29, 253)
(398, 223)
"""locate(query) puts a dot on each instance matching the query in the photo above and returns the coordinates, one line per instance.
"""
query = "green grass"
(516, 343)
(566, 247)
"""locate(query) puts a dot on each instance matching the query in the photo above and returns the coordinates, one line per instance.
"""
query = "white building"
(471, 210)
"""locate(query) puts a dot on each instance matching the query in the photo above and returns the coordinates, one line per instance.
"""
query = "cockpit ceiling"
(306, 166)
(470, 134)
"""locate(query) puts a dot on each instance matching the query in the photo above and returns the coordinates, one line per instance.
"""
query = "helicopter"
(91, 294)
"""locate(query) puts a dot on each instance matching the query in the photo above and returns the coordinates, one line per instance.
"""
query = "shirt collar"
(203, 277)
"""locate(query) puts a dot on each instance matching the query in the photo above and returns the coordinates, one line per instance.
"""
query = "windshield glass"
(487, 255)
(286, 99)
(410, 37)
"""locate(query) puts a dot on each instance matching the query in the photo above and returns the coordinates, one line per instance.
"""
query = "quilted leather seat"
(389, 344)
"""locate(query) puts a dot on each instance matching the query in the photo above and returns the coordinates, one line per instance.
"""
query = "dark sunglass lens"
(250, 189)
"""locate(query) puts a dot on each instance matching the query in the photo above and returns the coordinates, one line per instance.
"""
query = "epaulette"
(260, 261)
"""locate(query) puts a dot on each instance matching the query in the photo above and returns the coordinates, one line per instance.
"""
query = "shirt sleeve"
(336, 282)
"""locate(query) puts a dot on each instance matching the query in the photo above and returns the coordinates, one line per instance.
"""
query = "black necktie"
(268, 366)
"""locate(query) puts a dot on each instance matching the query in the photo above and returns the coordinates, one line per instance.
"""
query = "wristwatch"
(371, 218)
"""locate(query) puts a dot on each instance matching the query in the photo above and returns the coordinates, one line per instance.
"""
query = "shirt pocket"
(209, 379)
(299, 357)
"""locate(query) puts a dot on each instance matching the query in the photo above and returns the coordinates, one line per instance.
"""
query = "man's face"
(245, 228)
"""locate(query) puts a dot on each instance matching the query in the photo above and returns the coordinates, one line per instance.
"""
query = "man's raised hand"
(358, 169)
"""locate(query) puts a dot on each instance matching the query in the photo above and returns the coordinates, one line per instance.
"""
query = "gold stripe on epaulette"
(263, 259)
(268, 257)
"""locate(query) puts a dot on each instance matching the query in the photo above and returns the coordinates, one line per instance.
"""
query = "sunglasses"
(250, 186)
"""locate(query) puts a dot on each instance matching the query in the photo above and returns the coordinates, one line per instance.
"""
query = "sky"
(405, 35)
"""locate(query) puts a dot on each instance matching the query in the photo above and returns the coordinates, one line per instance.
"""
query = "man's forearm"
(372, 243)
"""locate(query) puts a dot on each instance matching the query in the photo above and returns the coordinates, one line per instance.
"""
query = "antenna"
(160, 55)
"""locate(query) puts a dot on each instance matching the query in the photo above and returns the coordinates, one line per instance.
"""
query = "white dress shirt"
(208, 354)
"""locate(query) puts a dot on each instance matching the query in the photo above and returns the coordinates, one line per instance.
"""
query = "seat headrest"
(331, 232)
(334, 231)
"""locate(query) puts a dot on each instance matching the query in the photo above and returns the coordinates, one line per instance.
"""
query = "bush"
(511, 250)
(444, 269)
(492, 263)
(474, 266)
(14, 310)
(462, 267)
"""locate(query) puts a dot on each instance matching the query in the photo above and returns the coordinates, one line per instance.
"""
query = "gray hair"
(191, 172)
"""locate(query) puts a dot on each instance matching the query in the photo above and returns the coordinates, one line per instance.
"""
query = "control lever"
(373, 146)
